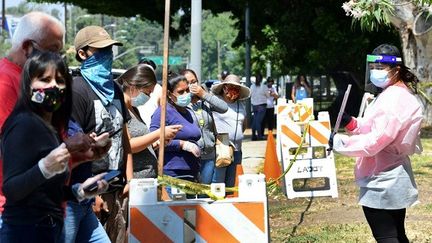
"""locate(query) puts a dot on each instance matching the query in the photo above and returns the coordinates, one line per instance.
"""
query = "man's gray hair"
(32, 26)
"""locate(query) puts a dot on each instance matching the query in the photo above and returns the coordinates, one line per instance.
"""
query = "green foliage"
(311, 36)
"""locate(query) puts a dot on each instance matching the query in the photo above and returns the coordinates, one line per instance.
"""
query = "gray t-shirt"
(231, 122)
(144, 162)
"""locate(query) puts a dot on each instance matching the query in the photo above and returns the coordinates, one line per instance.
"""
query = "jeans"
(1, 222)
(259, 113)
(81, 224)
(207, 171)
(48, 230)
(227, 174)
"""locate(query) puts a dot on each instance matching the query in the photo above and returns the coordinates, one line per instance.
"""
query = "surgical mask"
(49, 99)
(379, 78)
(183, 100)
(140, 99)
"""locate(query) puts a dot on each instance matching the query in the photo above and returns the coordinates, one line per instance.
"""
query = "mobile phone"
(111, 132)
(110, 177)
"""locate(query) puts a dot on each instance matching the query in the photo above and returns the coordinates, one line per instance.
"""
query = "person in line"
(204, 104)
(182, 154)
(153, 103)
(382, 141)
(37, 154)
(259, 95)
(269, 117)
(232, 122)
(35, 32)
(138, 83)
(98, 106)
(301, 89)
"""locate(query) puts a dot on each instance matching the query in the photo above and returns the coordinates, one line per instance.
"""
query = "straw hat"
(234, 80)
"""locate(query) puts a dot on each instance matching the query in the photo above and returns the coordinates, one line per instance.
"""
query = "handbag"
(224, 150)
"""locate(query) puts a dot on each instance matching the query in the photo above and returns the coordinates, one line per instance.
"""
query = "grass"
(324, 219)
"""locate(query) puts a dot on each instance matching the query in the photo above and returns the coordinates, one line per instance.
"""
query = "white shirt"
(146, 111)
(271, 99)
(259, 94)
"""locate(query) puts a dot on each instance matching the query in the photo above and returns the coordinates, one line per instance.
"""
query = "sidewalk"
(253, 153)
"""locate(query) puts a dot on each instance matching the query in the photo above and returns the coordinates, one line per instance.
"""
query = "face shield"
(378, 62)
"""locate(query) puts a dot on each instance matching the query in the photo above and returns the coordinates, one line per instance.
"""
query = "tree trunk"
(415, 30)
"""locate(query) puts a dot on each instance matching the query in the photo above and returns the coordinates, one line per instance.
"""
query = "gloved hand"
(192, 148)
(345, 120)
(56, 162)
(82, 194)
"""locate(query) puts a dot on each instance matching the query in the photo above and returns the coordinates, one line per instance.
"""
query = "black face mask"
(49, 99)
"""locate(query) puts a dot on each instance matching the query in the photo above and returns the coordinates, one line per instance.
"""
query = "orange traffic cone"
(272, 168)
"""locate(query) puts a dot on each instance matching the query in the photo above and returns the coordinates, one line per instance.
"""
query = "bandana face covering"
(96, 70)
(49, 99)
(232, 93)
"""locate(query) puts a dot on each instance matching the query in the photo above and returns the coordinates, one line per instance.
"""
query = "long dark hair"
(187, 70)
(403, 73)
(141, 76)
(297, 81)
(35, 67)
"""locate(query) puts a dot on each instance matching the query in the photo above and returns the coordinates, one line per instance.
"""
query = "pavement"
(253, 153)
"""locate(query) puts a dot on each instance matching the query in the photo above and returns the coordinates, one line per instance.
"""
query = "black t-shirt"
(30, 196)
(89, 112)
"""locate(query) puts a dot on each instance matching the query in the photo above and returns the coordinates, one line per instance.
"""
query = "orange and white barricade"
(242, 219)
(294, 112)
(314, 172)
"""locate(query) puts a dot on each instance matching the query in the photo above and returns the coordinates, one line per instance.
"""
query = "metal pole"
(3, 15)
(247, 61)
(196, 9)
(163, 100)
(219, 66)
(65, 23)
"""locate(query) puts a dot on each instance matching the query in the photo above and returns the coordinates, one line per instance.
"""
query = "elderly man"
(36, 31)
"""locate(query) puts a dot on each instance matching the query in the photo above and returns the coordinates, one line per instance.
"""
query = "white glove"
(56, 162)
(82, 194)
(192, 148)
(338, 141)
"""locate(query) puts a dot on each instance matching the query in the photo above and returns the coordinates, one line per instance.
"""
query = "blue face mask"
(379, 78)
(140, 99)
(183, 100)
(96, 70)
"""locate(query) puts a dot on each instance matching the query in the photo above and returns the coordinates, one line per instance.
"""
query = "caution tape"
(198, 188)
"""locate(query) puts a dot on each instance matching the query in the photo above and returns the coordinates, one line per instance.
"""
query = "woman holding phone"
(37, 151)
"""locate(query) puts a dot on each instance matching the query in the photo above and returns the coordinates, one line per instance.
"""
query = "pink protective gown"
(386, 135)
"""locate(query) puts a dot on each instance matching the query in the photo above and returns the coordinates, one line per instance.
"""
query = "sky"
(48, 7)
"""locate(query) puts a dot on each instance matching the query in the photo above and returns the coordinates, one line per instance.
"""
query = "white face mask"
(379, 78)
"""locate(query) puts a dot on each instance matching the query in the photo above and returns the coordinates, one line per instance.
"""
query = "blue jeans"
(48, 230)
(81, 224)
(259, 114)
(227, 174)
(207, 174)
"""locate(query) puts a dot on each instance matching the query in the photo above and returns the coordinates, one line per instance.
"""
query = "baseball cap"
(94, 36)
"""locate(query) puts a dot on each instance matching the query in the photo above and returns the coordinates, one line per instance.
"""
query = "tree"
(296, 35)
(410, 18)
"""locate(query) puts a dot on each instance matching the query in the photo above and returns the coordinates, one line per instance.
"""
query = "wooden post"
(163, 100)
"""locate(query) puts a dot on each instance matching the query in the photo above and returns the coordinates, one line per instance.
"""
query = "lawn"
(325, 219)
